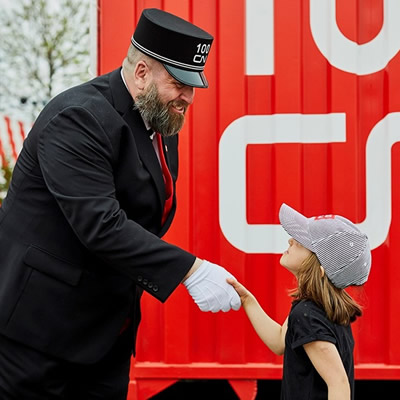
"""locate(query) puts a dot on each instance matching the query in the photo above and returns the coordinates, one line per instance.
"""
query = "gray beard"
(157, 114)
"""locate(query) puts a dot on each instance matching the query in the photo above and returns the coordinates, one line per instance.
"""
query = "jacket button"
(155, 288)
(139, 278)
(150, 285)
(145, 281)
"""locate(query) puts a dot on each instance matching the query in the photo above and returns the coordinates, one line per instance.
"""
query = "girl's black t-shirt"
(308, 323)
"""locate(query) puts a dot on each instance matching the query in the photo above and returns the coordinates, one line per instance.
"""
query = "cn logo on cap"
(202, 53)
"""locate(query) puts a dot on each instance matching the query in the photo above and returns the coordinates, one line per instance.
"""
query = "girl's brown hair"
(313, 285)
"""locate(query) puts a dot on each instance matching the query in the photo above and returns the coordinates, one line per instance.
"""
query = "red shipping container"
(303, 108)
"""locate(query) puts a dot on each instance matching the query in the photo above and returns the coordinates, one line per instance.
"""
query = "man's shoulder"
(98, 89)
(94, 96)
(88, 94)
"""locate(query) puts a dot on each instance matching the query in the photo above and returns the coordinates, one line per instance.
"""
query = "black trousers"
(26, 374)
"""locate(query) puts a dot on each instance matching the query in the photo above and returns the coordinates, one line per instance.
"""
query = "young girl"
(326, 254)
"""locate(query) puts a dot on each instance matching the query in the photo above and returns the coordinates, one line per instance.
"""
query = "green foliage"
(5, 178)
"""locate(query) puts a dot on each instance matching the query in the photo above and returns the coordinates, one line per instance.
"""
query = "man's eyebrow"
(175, 81)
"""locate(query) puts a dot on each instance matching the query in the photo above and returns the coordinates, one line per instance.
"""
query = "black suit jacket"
(81, 225)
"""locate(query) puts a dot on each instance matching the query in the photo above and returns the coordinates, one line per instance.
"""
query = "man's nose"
(187, 94)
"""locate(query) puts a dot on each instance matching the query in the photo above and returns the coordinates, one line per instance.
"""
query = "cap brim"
(189, 78)
(296, 225)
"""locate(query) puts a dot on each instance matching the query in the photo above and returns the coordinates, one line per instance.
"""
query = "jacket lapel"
(124, 105)
(146, 151)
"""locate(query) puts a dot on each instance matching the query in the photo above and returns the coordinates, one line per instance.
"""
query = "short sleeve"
(308, 323)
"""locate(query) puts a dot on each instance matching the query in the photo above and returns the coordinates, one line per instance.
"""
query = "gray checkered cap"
(342, 249)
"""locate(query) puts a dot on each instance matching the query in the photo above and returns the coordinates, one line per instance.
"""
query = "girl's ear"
(322, 270)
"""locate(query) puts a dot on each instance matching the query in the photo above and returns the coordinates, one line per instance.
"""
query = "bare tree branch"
(44, 48)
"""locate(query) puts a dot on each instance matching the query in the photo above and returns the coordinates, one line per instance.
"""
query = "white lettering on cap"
(202, 53)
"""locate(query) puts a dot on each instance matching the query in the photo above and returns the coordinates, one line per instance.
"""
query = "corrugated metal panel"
(317, 130)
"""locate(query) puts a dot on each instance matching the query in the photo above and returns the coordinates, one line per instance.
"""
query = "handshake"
(210, 290)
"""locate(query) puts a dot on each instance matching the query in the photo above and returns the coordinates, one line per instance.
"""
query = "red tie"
(169, 188)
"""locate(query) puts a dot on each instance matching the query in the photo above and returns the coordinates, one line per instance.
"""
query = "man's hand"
(210, 290)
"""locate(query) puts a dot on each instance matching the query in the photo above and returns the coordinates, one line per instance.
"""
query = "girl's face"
(293, 258)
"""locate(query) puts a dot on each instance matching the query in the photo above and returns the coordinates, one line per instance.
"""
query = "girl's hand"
(245, 295)
(269, 331)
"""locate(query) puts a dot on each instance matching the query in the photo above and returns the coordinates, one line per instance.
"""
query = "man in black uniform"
(92, 193)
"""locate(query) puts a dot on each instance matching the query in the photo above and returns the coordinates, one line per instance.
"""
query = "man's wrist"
(193, 269)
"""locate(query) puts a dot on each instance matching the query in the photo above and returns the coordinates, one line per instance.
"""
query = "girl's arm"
(269, 331)
(326, 360)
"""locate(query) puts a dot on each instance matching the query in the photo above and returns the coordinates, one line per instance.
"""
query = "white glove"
(210, 290)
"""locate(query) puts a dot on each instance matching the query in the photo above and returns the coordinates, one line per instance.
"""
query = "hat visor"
(189, 78)
(296, 225)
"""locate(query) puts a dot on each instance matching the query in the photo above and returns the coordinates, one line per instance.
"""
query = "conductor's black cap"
(179, 45)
